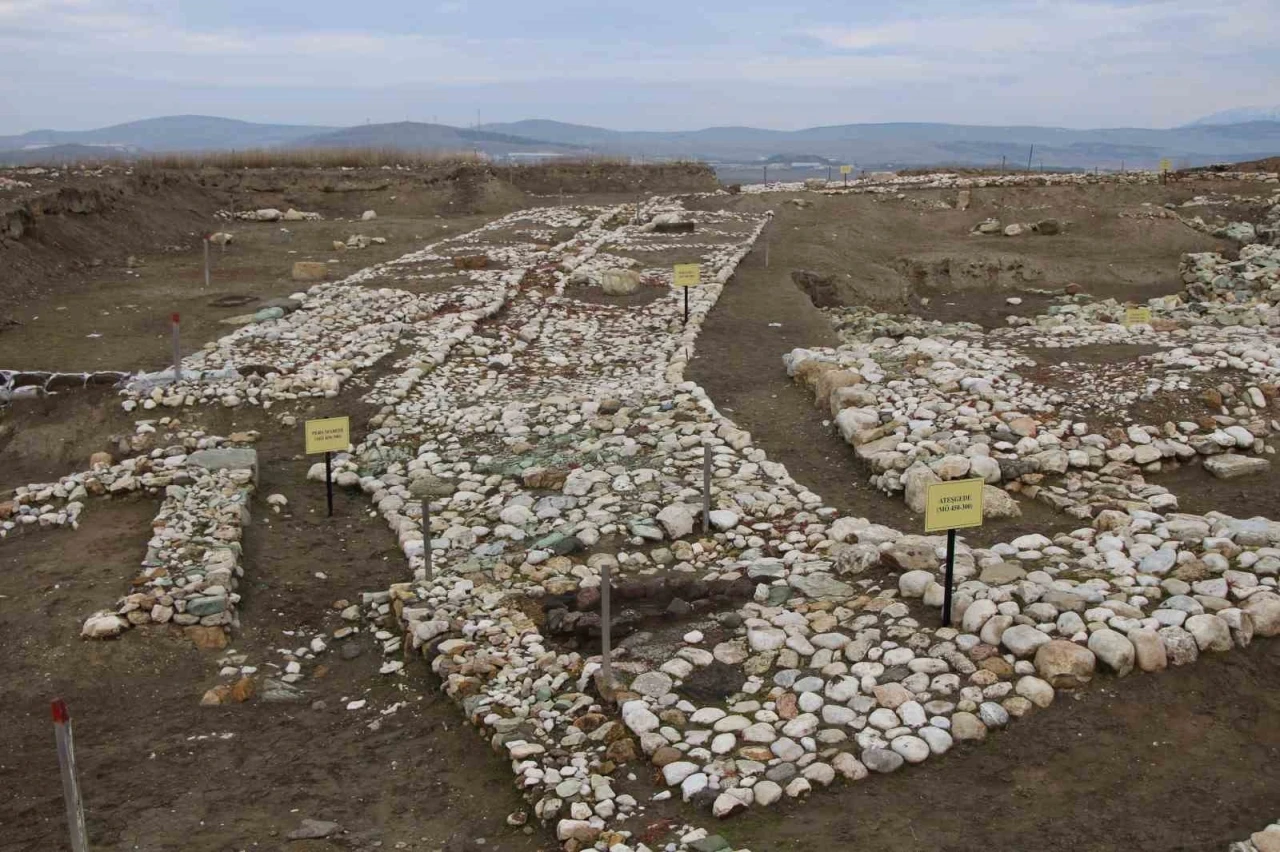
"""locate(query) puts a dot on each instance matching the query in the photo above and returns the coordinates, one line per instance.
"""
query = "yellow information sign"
(1165, 165)
(330, 435)
(846, 170)
(1137, 316)
(687, 274)
(953, 505)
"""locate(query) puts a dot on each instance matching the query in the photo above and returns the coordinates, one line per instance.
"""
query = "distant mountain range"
(171, 133)
(1215, 138)
(1241, 115)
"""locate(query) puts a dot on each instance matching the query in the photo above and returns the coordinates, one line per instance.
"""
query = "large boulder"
(103, 625)
(1023, 640)
(619, 282)
(820, 585)
(677, 520)
(1114, 649)
(1232, 466)
(1264, 609)
(1149, 651)
(1211, 632)
(1065, 665)
(917, 481)
(998, 503)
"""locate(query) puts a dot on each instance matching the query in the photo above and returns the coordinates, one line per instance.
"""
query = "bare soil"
(116, 318)
(1183, 761)
(761, 316)
(893, 253)
(159, 771)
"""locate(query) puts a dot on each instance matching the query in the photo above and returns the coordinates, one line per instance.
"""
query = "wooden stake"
(70, 783)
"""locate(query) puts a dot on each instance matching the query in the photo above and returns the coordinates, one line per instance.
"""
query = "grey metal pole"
(606, 630)
(206, 261)
(70, 784)
(426, 535)
(706, 488)
(177, 349)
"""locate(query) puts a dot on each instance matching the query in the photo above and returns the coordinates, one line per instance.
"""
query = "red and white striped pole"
(70, 785)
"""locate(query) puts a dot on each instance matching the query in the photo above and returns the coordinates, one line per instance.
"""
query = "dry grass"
(317, 158)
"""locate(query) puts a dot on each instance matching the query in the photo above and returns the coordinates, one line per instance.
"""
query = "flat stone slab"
(1232, 466)
(227, 458)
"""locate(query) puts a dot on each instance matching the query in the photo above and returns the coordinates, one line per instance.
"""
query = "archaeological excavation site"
(617, 533)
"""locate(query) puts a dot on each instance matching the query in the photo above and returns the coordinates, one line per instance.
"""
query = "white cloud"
(1005, 61)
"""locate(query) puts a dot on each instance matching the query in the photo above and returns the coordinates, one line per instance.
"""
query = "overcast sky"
(658, 64)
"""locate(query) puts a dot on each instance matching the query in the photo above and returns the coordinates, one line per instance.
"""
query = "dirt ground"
(116, 318)
(1184, 761)
(761, 316)
(161, 772)
(892, 253)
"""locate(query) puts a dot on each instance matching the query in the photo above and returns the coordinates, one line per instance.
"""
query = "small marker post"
(326, 436)
(206, 260)
(328, 479)
(706, 488)
(426, 535)
(684, 276)
(950, 578)
(176, 322)
(70, 784)
(606, 629)
(950, 506)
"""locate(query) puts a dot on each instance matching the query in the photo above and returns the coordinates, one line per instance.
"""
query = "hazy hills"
(170, 133)
(1211, 139)
(1240, 115)
(922, 143)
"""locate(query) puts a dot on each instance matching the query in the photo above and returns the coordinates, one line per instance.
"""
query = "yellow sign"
(331, 435)
(687, 274)
(845, 170)
(1137, 316)
(953, 505)
(1165, 165)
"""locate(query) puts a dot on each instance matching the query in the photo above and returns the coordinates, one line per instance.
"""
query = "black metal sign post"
(950, 506)
(950, 578)
(328, 479)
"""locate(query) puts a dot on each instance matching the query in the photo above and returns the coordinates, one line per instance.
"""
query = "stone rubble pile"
(358, 241)
(494, 438)
(559, 438)
(878, 183)
(60, 503)
(783, 647)
(922, 401)
(192, 566)
(20, 384)
(269, 214)
(340, 329)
